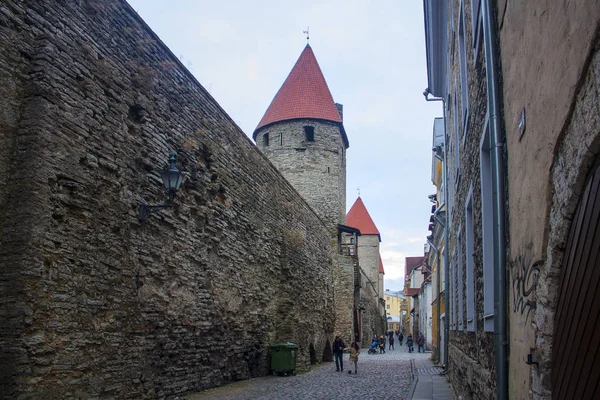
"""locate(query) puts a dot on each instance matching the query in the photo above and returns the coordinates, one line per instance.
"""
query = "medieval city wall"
(316, 169)
(97, 304)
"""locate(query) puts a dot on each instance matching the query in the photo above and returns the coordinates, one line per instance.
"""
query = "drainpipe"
(497, 156)
(445, 251)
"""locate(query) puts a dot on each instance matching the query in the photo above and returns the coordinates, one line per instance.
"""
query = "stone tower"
(302, 134)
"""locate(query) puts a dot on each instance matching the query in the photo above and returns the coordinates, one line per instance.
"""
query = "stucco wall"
(97, 304)
(546, 47)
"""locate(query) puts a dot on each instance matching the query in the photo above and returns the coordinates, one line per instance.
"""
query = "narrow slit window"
(309, 132)
(281, 139)
(266, 139)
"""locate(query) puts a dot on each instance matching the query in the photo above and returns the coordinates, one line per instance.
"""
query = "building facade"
(522, 141)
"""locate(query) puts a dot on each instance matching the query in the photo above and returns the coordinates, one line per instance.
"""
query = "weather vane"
(307, 37)
(358, 190)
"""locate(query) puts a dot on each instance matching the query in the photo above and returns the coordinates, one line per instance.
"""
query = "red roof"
(358, 217)
(381, 271)
(410, 292)
(412, 263)
(304, 94)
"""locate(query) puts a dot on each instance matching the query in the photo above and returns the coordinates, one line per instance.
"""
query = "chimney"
(340, 108)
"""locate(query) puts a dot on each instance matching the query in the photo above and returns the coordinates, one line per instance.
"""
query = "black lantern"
(172, 179)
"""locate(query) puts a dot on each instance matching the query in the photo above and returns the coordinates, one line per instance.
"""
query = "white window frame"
(476, 27)
(487, 227)
(470, 262)
(464, 78)
(459, 279)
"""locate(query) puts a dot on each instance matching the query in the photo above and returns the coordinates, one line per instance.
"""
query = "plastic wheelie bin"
(283, 358)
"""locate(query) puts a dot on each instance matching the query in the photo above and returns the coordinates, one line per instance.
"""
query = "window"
(266, 139)
(309, 132)
(281, 139)
(460, 280)
(456, 139)
(387, 307)
(476, 25)
(464, 84)
(452, 293)
(470, 267)
(487, 228)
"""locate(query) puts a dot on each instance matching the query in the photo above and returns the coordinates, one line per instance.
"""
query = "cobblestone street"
(380, 376)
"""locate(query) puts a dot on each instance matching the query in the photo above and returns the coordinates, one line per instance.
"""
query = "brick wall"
(96, 304)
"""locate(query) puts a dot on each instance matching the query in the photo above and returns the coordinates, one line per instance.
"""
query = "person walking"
(409, 343)
(391, 342)
(354, 352)
(338, 353)
(400, 338)
(381, 344)
(421, 342)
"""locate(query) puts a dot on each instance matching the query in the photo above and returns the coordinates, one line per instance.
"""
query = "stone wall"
(471, 355)
(368, 254)
(343, 284)
(578, 150)
(316, 169)
(97, 304)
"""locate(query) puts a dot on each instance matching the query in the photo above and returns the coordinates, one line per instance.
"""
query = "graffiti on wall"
(524, 277)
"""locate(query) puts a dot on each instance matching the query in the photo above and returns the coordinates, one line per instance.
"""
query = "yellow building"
(394, 302)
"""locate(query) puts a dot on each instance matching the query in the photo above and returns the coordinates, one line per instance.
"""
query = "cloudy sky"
(372, 54)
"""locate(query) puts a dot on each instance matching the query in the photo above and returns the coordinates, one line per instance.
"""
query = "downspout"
(445, 250)
(497, 156)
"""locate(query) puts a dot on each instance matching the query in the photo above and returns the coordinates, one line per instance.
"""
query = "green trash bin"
(283, 358)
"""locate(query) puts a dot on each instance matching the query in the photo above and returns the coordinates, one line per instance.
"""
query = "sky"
(372, 54)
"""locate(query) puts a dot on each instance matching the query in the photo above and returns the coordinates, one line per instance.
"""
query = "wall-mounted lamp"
(172, 178)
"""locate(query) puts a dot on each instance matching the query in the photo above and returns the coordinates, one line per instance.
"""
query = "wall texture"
(554, 78)
(317, 170)
(96, 304)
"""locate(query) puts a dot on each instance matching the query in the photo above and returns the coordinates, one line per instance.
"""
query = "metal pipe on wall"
(494, 107)
(444, 253)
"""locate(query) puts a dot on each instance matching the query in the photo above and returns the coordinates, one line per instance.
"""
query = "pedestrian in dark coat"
(338, 353)
(421, 342)
(409, 343)
(400, 338)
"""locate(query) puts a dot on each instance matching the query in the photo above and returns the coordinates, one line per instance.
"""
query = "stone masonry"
(95, 303)
(317, 169)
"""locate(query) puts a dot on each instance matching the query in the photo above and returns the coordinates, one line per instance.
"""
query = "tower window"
(266, 139)
(281, 139)
(309, 132)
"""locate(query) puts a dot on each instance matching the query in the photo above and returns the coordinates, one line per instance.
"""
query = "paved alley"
(380, 376)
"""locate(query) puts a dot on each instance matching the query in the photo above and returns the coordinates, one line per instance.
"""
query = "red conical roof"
(358, 217)
(304, 94)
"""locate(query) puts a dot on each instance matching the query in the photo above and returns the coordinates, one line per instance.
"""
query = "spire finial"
(307, 37)
(358, 190)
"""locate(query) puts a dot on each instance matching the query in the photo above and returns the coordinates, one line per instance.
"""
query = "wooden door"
(576, 339)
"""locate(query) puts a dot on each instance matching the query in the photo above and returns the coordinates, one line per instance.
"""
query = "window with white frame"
(476, 24)
(464, 84)
(452, 307)
(487, 228)
(460, 280)
(456, 139)
(470, 262)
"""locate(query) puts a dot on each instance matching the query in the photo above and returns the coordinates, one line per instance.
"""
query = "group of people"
(376, 343)
(379, 342)
(338, 354)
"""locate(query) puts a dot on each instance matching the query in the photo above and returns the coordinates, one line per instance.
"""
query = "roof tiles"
(358, 217)
(304, 94)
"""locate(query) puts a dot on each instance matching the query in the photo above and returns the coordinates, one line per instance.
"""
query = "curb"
(415, 380)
